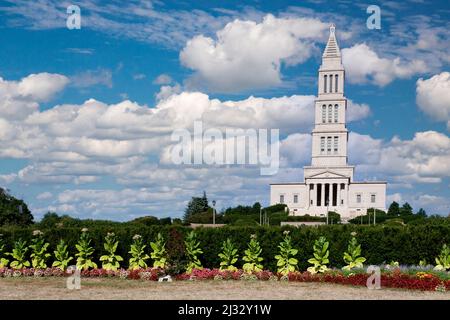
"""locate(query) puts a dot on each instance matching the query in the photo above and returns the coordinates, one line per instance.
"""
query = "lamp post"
(260, 216)
(214, 212)
(327, 203)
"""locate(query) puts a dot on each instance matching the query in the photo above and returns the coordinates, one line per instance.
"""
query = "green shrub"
(138, 255)
(62, 258)
(252, 256)
(39, 253)
(228, 256)
(111, 261)
(321, 254)
(406, 244)
(285, 259)
(443, 261)
(85, 251)
(19, 255)
(3, 261)
(353, 255)
(159, 253)
(192, 251)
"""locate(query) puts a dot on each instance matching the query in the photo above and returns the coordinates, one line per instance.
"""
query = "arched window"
(330, 113)
(324, 113)
(331, 84)
(336, 86)
(336, 113)
(325, 83)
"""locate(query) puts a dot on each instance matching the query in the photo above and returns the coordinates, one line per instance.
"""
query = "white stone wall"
(366, 190)
(289, 190)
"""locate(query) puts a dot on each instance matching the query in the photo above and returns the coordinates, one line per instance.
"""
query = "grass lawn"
(113, 288)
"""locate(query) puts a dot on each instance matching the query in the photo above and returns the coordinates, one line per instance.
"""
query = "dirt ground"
(55, 288)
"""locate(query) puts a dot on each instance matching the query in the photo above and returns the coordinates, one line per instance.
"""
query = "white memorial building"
(328, 182)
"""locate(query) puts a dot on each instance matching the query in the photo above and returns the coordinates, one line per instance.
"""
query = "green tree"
(406, 209)
(394, 209)
(422, 213)
(197, 205)
(13, 211)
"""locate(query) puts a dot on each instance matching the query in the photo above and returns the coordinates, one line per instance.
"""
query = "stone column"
(330, 194)
(338, 199)
(322, 195)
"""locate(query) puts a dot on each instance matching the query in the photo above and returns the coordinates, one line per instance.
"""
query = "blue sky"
(153, 59)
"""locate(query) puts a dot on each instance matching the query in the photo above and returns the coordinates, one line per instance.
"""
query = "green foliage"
(394, 209)
(228, 256)
(159, 253)
(443, 260)
(406, 209)
(39, 254)
(321, 254)
(111, 261)
(85, 252)
(13, 211)
(19, 253)
(195, 206)
(3, 261)
(285, 259)
(353, 255)
(252, 256)
(138, 255)
(62, 257)
(408, 244)
(192, 251)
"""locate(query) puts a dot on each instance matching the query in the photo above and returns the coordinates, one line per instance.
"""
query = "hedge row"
(406, 244)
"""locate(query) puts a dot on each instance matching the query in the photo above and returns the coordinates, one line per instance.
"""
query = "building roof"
(332, 49)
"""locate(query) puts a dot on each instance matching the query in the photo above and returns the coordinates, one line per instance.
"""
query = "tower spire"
(332, 48)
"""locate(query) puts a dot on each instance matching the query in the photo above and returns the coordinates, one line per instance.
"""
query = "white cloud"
(163, 79)
(425, 158)
(248, 55)
(92, 77)
(7, 178)
(44, 196)
(357, 111)
(433, 96)
(20, 98)
(363, 65)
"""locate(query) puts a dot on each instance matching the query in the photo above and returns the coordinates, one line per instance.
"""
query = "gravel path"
(55, 288)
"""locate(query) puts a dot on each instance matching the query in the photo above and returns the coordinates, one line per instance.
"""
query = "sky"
(86, 115)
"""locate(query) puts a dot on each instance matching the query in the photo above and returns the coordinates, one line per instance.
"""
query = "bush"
(382, 243)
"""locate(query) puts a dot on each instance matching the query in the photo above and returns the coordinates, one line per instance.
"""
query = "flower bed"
(389, 279)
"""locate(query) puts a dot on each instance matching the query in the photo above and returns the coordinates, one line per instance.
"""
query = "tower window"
(335, 144)
(328, 145)
(336, 86)
(325, 83)
(331, 84)
(336, 113)
(322, 144)
(324, 113)
(330, 113)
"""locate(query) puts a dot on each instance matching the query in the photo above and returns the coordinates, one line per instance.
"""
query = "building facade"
(328, 182)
